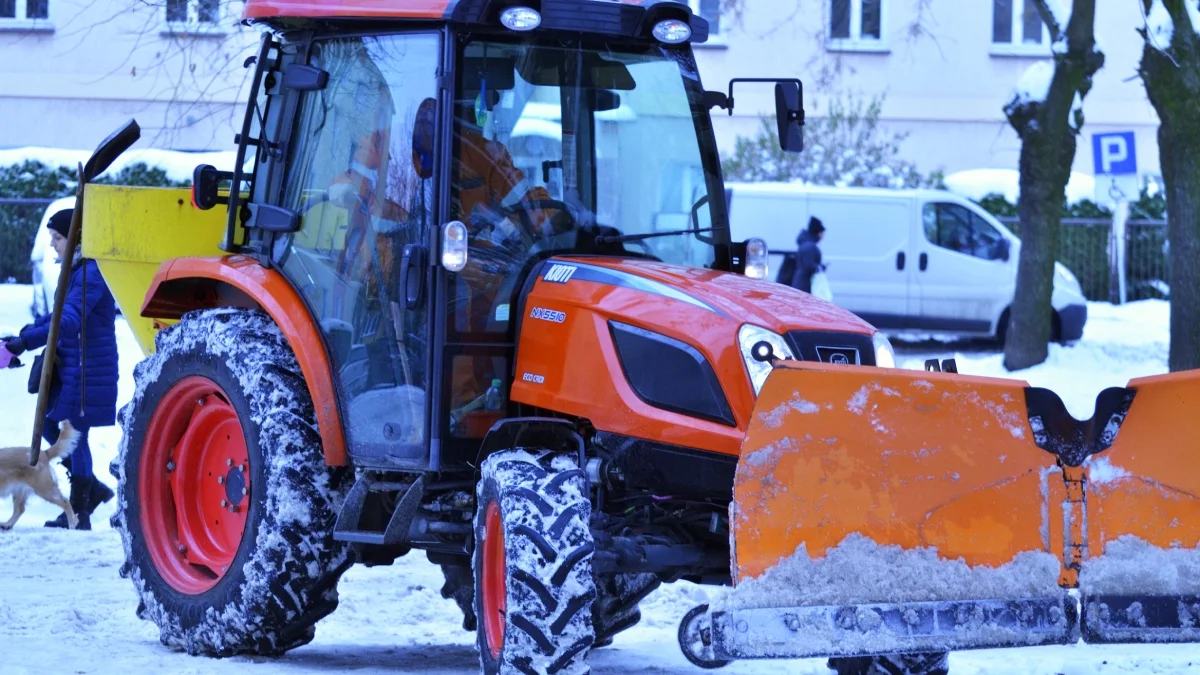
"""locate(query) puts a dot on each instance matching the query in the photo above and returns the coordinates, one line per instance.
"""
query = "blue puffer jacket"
(87, 345)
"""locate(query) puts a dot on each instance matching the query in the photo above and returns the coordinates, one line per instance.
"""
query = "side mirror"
(789, 114)
(1005, 249)
(205, 181)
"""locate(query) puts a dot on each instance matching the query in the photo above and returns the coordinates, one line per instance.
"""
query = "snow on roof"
(978, 183)
(177, 165)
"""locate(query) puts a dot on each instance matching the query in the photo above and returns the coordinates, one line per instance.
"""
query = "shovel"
(109, 150)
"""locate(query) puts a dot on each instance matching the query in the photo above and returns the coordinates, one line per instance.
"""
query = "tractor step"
(875, 629)
(350, 518)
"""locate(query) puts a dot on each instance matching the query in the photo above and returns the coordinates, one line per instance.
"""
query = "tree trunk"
(1046, 159)
(1047, 130)
(1173, 86)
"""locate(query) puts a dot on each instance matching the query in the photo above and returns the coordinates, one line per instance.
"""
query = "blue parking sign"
(1114, 154)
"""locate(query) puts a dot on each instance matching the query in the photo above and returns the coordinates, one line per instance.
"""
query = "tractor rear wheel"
(226, 506)
(930, 663)
(533, 565)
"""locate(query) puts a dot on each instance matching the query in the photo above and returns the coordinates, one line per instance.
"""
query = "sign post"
(1114, 156)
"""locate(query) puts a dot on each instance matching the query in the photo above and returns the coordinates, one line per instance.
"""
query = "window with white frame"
(193, 15)
(24, 10)
(1017, 26)
(856, 24)
(710, 11)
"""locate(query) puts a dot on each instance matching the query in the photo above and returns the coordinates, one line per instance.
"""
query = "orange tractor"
(473, 292)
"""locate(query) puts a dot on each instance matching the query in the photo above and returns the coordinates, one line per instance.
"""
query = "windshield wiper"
(622, 238)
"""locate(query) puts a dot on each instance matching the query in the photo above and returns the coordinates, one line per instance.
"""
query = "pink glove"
(7, 359)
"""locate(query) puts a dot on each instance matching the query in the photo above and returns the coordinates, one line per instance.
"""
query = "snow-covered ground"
(64, 609)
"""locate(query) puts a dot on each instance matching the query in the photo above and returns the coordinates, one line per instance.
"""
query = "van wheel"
(1002, 329)
(1055, 329)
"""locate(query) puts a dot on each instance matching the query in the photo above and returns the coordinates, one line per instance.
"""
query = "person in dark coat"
(808, 255)
(85, 391)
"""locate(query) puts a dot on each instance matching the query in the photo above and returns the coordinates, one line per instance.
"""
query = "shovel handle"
(60, 298)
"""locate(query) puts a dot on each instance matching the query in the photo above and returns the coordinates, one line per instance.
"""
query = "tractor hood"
(661, 352)
(774, 306)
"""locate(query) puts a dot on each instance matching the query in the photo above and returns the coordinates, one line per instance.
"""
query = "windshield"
(591, 137)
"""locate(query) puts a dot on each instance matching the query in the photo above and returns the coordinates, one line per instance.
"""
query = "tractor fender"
(185, 284)
(545, 433)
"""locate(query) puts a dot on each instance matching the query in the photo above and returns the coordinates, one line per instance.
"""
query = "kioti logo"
(559, 274)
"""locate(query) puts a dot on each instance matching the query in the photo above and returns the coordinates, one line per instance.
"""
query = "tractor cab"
(407, 177)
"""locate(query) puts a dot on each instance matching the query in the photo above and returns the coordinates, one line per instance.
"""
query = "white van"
(906, 261)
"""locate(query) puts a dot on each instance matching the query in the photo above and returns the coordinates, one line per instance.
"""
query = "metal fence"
(19, 220)
(1085, 250)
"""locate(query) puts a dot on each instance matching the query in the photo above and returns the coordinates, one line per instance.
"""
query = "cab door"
(361, 184)
(964, 275)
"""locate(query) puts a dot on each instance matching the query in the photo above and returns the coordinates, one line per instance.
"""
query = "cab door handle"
(900, 260)
(924, 261)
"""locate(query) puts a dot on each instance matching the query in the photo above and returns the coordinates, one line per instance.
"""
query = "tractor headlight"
(885, 355)
(759, 348)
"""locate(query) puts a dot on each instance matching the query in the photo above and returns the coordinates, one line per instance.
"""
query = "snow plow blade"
(880, 511)
(872, 629)
(1140, 576)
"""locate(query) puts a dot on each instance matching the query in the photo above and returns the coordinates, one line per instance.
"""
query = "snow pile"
(1131, 566)
(1034, 85)
(1102, 471)
(976, 184)
(859, 571)
(1061, 9)
(1120, 342)
(1159, 26)
(177, 165)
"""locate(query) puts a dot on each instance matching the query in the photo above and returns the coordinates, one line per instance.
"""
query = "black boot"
(99, 494)
(80, 499)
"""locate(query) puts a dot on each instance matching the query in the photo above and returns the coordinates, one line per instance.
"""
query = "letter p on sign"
(1114, 154)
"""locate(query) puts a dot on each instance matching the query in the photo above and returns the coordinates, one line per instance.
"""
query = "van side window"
(955, 227)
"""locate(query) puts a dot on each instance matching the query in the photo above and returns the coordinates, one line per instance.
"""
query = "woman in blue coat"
(86, 389)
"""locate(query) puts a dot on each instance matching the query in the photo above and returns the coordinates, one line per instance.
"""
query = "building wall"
(70, 80)
(946, 88)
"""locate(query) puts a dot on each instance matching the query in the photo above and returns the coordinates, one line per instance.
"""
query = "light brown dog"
(20, 480)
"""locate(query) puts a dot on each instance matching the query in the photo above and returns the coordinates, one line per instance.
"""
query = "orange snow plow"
(911, 511)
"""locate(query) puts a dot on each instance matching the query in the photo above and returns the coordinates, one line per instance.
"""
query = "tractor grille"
(827, 347)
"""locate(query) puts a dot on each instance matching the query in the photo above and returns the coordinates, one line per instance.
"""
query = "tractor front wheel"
(533, 565)
(226, 508)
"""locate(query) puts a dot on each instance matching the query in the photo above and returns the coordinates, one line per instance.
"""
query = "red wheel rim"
(194, 485)
(494, 580)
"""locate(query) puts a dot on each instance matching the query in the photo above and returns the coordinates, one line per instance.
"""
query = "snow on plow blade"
(886, 511)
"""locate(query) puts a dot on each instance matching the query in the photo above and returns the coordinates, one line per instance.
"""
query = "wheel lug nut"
(182, 549)
(245, 491)
(224, 502)
(229, 462)
(221, 480)
(170, 466)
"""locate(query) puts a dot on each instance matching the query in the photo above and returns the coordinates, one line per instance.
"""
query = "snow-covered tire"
(616, 606)
(931, 663)
(284, 563)
(533, 565)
